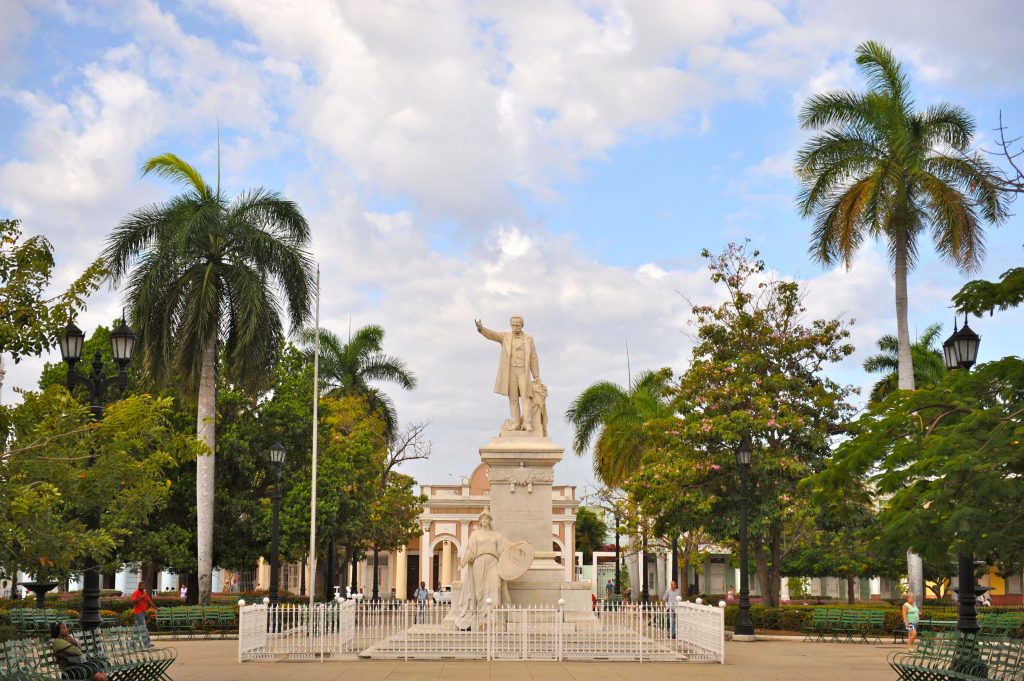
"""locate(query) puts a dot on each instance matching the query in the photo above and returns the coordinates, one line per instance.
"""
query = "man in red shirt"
(141, 602)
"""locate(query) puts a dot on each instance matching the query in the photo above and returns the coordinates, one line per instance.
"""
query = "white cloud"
(453, 108)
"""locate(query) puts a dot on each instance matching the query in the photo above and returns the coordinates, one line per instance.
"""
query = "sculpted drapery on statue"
(488, 563)
(517, 363)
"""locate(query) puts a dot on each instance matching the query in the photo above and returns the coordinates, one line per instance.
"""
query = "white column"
(168, 579)
(446, 564)
(642, 565)
(401, 578)
(425, 556)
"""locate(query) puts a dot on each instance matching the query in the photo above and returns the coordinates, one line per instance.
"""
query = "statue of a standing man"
(517, 363)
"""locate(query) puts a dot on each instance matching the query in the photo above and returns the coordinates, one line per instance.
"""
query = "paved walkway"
(760, 661)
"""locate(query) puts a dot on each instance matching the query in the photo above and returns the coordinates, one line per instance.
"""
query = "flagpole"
(316, 405)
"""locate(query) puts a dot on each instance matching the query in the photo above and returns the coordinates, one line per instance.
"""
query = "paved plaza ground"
(762, 660)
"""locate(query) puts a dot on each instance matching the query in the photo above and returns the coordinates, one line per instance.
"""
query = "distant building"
(449, 517)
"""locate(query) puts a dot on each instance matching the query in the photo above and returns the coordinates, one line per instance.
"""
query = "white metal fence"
(406, 631)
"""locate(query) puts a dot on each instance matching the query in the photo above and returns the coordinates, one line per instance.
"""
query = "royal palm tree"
(349, 368)
(929, 365)
(882, 170)
(202, 270)
(615, 420)
(879, 169)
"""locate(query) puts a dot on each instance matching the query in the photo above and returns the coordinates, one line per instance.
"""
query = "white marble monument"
(521, 461)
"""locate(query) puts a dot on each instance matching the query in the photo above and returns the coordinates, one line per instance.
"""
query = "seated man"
(70, 655)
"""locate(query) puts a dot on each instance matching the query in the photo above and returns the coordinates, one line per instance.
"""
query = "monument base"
(575, 596)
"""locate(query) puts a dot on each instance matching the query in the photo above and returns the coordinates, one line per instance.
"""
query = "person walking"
(422, 596)
(911, 615)
(141, 603)
(671, 598)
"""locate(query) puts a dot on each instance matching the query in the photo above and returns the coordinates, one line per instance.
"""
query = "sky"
(562, 160)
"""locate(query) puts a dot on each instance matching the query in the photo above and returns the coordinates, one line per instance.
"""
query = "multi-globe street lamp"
(961, 352)
(744, 628)
(122, 343)
(277, 458)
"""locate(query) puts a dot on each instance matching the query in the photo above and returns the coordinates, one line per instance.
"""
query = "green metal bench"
(124, 649)
(815, 629)
(951, 655)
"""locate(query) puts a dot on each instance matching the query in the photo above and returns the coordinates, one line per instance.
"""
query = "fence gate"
(525, 634)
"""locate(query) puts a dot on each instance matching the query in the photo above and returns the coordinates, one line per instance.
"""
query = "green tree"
(63, 467)
(29, 320)
(757, 372)
(615, 420)
(591, 532)
(944, 464)
(882, 170)
(841, 543)
(929, 364)
(350, 368)
(201, 268)
(350, 461)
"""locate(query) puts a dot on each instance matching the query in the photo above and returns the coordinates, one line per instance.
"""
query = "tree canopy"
(756, 371)
(63, 466)
(30, 320)
(944, 463)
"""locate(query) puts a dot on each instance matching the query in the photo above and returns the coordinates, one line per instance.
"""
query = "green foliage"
(29, 321)
(591, 532)
(929, 364)
(350, 368)
(63, 467)
(349, 464)
(395, 515)
(756, 372)
(200, 265)
(944, 463)
(795, 617)
(980, 296)
(879, 169)
(883, 170)
(615, 420)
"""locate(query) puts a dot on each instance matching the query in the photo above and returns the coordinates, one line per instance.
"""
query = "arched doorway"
(444, 565)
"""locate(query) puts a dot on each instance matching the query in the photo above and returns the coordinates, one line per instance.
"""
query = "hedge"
(795, 617)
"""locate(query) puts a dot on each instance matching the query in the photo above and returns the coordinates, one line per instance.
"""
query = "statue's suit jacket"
(501, 384)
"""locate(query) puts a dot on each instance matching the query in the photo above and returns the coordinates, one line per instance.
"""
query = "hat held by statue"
(515, 560)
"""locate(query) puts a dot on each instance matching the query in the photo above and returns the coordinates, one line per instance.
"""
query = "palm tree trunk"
(206, 432)
(906, 360)
(915, 567)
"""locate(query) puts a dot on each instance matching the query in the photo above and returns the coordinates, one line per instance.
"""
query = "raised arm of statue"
(495, 336)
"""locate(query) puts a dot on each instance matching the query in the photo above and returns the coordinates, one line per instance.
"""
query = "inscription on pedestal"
(519, 475)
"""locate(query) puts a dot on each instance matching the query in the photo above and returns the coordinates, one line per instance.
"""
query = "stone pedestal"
(521, 473)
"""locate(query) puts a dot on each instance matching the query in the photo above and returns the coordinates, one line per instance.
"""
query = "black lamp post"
(961, 351)
(277, 458)
(122, 343)
(744, 628)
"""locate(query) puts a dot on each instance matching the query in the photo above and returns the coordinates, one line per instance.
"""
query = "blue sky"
(563, 160)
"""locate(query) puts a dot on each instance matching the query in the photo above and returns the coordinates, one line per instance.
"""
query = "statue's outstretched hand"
(479, 325)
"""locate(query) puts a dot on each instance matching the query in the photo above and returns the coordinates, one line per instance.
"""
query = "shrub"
(795, 617)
